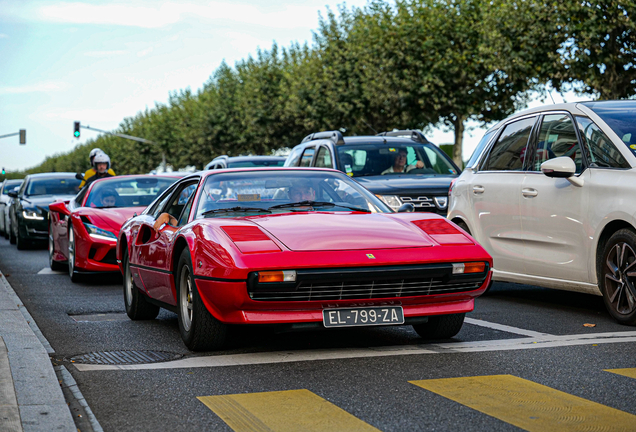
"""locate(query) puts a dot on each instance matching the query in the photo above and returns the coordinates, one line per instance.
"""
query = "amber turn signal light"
(471, 267)
(277, 276)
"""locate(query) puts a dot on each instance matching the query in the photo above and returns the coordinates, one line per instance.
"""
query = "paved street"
(524, 358)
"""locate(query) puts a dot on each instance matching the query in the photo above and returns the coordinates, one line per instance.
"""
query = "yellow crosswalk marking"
(529, 405)
(629, 372)
(283, 411)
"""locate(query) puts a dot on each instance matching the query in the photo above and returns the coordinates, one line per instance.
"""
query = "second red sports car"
(83, 231)
(298, 247)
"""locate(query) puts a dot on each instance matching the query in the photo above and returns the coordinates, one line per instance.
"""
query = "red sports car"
(299, 247)
(83, 231)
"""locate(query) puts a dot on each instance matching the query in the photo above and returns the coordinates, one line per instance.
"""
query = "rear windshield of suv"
(358, 160)
(621, 117)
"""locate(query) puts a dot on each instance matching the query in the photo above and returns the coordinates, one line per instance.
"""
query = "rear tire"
(617, 276)
(199, 330)
(137, 307)
(72, 270)
(55, 265)
(440, 326)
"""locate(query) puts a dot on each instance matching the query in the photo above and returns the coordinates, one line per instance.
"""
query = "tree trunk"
(458, 124)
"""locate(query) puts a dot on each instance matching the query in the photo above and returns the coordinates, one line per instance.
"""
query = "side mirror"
(561, 167)
(406, 208)
(13, 194)
(59, 207)
(79, 176)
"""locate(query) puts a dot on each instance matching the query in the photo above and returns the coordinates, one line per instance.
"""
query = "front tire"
(617, 276)
(12, 238)
(199, 330)
(137, 307)
(21, 242)
(440, 326)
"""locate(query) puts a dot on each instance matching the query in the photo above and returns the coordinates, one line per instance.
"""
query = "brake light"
(277, 276)
(450, 189)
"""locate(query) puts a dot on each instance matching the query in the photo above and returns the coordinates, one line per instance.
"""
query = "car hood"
(396, 184)
(324, 231)
(42, 201)
(110, 218)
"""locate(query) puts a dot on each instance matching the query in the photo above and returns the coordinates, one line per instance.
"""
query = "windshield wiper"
(236, 210)
(318, 204)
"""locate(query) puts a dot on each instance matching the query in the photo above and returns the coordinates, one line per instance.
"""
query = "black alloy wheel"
(20, 241)
(199, 330)
(440, 326)
(137, 307)
(72, 270)
(617, 276)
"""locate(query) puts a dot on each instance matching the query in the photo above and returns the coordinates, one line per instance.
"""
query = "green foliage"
(400, 64)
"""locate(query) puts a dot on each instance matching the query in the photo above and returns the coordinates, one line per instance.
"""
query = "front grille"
(110, 257)
(419, 202)
(375, 288)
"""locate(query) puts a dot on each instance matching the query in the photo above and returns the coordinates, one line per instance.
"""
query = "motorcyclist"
(101, 161)
(91, 171)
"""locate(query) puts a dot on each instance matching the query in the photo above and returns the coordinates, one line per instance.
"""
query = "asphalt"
(31, 398)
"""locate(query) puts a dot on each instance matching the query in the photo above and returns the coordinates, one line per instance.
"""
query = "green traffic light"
(77, 134)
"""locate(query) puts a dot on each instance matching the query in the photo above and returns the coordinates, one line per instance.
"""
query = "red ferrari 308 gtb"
(83, 231)
(299, 247)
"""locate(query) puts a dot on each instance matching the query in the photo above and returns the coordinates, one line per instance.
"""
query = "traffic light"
(77, 130)
(22, 136)
(3, 171)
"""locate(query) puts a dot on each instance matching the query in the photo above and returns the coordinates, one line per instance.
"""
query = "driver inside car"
(399, 164)
(301, 192)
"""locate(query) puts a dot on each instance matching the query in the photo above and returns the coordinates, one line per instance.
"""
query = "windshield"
(621, 117)
(256, 163)
(127, 192)
(283, 192)
(9, 185)
(387, 159)
(53, 186)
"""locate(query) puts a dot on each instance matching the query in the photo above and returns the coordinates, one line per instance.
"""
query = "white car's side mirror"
(561, 167)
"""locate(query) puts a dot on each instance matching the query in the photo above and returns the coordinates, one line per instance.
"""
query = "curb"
(40, 400)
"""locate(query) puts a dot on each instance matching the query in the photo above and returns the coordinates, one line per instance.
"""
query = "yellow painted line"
(529, 405)
(283, 411)
(629, 372)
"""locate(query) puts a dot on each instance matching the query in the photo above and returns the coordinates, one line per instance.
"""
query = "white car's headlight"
(392, 201)
(33, 215)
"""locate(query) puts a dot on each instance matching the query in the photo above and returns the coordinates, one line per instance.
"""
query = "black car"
(30, 205)
(245, 162)
(399, 167)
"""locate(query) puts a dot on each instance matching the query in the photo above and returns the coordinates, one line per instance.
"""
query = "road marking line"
(548, 341)
(528, 405)
(503, 327)
(48, 271)
(629, 372)
(282, 411)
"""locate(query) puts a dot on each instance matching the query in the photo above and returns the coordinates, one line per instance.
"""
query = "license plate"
(367, 316)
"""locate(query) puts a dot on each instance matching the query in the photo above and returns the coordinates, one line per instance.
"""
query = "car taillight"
(450, 189)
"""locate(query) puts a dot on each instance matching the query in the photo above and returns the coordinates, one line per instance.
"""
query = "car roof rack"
(335, 136)
(415, 135)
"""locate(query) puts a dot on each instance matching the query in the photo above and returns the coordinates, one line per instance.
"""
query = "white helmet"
(101, 158)
(92, 154)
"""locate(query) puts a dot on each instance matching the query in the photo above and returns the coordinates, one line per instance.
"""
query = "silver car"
(549, 193)
(5, 201)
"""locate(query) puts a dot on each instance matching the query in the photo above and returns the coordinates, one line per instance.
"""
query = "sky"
(99, 62)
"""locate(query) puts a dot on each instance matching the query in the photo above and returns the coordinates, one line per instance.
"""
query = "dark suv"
(399, 167)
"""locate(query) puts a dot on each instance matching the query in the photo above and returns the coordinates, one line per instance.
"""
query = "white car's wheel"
(617, 278)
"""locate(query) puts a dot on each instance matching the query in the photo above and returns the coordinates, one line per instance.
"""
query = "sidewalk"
(31, 398)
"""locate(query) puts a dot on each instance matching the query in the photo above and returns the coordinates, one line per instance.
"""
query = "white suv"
(550, 194)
